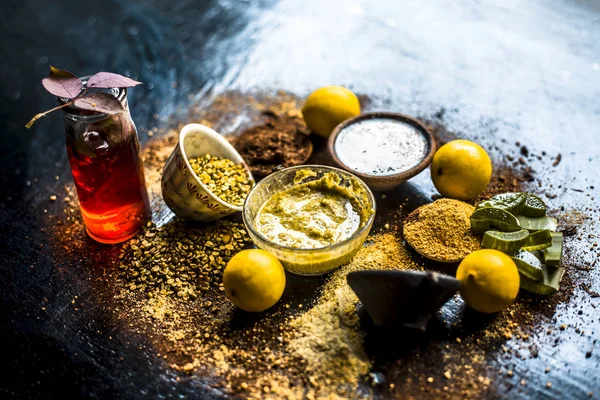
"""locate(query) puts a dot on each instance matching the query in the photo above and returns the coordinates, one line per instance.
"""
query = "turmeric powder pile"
(441, 230)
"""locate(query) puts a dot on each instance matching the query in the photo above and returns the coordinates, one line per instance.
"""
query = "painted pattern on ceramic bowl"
(182, 190)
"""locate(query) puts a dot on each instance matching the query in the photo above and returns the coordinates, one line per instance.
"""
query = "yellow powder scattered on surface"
(266, 356)
(326, 336)
(442, 230)
(154, 155)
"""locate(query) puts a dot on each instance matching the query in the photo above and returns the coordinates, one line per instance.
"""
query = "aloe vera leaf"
(506, 242)
(533, 206)
(487, 218)
(538, 240)
(511, 202)
(553, 254)
(529, 265)
(548, 285)
(537, 223)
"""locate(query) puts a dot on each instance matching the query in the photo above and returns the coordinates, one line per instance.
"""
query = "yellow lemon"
(326, 107)
(489, 280)
(254, 280)
(461, 169)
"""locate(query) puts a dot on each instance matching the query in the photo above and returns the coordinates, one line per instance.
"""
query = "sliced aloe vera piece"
(511, 202)
(487, 218)
(506, 242)
(537, 224)
(538, 240)
(549, 284)
(529, 265)
(553, 254)
(533, 206)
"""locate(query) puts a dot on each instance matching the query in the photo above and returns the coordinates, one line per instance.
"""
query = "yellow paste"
(311, 214)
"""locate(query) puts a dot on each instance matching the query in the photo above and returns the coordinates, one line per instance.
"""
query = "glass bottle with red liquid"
(104, 153)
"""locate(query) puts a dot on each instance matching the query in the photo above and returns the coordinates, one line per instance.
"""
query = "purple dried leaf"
(62, 83)
(100, 102)
(107, 80)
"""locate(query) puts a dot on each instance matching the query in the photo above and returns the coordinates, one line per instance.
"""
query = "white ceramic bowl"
(183, 192)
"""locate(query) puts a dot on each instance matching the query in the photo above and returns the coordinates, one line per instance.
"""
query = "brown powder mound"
(442, 230)
(278, 142)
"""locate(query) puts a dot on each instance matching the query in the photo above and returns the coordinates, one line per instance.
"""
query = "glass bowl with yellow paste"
(313, 218)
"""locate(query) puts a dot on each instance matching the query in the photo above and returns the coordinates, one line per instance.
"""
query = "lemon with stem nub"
(489, 280)
(326, 107)
(254, 280)
(461, 169)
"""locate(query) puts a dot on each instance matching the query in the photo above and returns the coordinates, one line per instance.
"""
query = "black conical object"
(406, 298)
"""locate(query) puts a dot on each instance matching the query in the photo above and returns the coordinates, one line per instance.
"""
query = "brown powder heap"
(441, 230)
(277, 142)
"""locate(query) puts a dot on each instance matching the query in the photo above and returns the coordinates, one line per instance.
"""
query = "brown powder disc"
(441, 230)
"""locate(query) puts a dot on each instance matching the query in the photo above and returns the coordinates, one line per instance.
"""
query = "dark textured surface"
(525, 71)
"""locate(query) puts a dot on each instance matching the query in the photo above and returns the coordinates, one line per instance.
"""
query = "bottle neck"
(76, 114)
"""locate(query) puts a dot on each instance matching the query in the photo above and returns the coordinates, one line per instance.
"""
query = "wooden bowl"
(384, 182)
